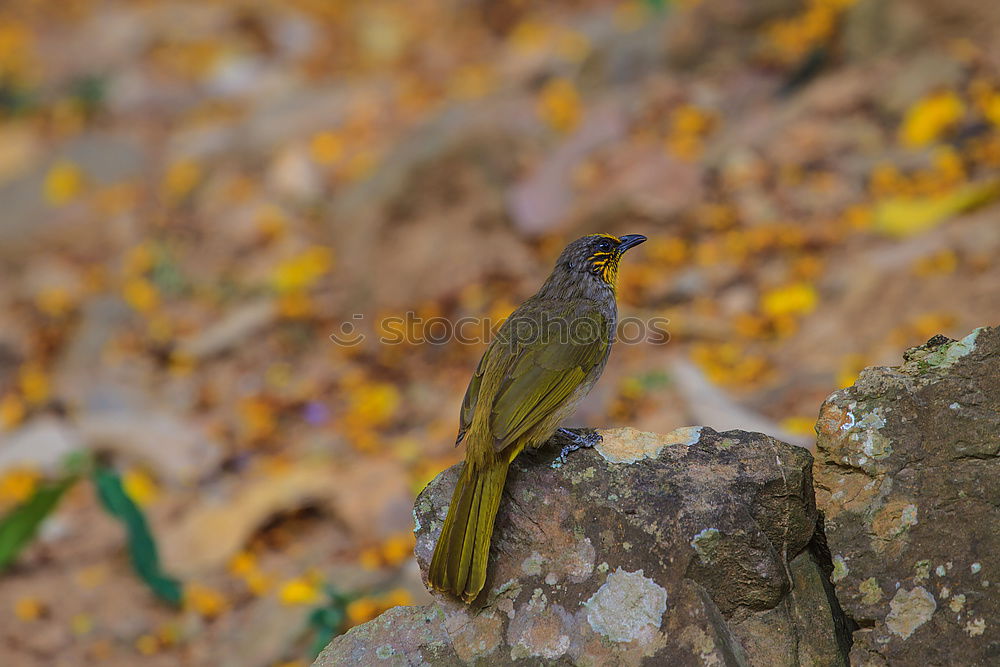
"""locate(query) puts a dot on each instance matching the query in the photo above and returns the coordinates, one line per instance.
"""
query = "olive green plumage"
(545, 358)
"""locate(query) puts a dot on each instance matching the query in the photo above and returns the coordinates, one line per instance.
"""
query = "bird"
(544, 358)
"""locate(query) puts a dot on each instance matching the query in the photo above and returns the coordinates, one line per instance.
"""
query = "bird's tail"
(462, 551)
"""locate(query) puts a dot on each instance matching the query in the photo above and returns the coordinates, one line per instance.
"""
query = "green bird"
(544, 359)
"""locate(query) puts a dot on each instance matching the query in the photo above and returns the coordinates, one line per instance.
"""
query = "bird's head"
(598, 255)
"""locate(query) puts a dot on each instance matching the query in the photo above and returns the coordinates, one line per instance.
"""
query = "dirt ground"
(196, 196)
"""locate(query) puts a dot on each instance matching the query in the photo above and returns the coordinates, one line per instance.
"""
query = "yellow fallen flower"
(930, 118)
(299, 591)
(906, 216)
(29, 609)
(794, 299)
(63, 182)
(559, 105)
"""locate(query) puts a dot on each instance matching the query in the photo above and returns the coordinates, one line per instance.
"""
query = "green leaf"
(327, 621)
(322, 638)
(78, 463)
(141, 546)
(21, 523)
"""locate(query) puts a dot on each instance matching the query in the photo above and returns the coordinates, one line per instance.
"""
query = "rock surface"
(908, 476)
(693, 547)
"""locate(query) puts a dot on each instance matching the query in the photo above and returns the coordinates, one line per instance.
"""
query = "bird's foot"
(576, 441)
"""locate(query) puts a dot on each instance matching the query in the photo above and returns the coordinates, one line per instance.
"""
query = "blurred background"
(195, 195)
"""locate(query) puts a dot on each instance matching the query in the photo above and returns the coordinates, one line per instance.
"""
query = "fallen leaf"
(20, 525)
(141, 544)
(906, 216)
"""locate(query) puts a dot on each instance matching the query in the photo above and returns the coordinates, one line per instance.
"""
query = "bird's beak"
(630, 241)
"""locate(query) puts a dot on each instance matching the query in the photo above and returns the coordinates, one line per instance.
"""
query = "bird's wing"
(540, 374)
(472, 394)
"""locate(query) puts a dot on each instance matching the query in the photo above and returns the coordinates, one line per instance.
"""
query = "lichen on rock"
(626, 606)
(632, 445)
(944, 356)
(705, 543)
(909, 609)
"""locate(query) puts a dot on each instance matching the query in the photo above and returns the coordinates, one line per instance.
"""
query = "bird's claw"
(576, 441)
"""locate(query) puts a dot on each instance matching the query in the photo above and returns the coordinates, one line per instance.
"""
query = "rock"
(177, 450)
(720, 31)
(693, 547)
(908, 475)
(43, 443)
(621, 57)
(234, 328)
(293, 174)
(709, 404)
(969, 20)
(258, 636)
(370, 500)
(455, 168)
(85, 379)
(927, 72)
(872, 29)
(104, 158)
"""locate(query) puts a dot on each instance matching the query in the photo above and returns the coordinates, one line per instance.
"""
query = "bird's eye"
(604, 246)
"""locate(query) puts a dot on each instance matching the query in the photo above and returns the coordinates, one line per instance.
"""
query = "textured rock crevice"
(844, 624)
